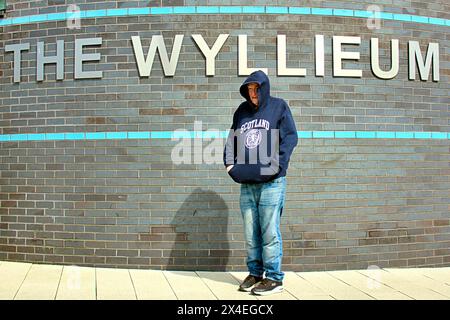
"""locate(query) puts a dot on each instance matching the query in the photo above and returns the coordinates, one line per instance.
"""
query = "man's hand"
(229, 168)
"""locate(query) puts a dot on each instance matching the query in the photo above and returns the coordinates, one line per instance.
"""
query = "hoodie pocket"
(251, 173)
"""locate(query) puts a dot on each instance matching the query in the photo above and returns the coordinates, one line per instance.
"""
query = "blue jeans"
(261, 208)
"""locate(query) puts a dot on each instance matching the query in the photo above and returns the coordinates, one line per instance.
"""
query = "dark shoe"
(249, 282)
(267, 286)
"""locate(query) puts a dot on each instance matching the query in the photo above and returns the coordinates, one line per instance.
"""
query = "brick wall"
(351, 202)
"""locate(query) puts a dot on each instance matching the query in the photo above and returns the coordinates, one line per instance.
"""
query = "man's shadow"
(201, 239)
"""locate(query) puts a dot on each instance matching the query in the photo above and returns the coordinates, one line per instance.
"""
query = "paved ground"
(21, 281)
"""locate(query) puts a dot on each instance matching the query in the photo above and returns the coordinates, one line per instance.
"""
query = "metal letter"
(339, 55)
(320, 55)
(210, 54)
(43, 60)
(80, 57)
(415, 54)
(375, 63)
(282, 69)
(242, 48)
(157, 43)
(17, 49)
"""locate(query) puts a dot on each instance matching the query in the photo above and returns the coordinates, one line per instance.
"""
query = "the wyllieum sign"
(169, 65)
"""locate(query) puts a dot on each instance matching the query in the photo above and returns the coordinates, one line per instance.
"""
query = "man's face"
(253, 92)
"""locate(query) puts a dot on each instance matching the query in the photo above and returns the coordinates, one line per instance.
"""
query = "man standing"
(257, 152)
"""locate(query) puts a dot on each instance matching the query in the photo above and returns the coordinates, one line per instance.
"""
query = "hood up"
(262, 80)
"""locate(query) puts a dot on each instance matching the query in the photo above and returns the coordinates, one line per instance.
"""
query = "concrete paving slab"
(187, 285)
(334, 287)
(404, 286)
(440, 274)
(419, 278)
(77, 283)
(41, 283)
(114, 284)
(302, 289)
(151, 285)
(12, 275)
(368, 285)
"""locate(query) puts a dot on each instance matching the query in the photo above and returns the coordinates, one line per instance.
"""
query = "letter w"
(157, 43)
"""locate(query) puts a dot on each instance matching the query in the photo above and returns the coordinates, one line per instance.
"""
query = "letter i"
(320, 56)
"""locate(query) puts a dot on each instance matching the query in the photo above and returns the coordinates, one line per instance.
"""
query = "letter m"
(157, 43)
(415, 55)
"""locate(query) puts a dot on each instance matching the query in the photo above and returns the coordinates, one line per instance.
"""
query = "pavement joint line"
(132, 283)
(18, 289)
(204, 282)
(405, 280)
(170, 285)
(348, 284)
(59, 281)
(95, 279)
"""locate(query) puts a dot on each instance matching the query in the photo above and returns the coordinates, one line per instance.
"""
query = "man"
(257, 152)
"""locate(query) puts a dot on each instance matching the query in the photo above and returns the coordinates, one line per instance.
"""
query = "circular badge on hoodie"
(253, 138)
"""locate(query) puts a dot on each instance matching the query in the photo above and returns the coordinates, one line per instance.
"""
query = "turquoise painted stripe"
(116, 135)
(438, 21)
(208, 10)
(419, 19)
(226, 10)
(323, 134)
(365, 135)
(299, 10)
(74, 136)
(277, 10)
(385, 135)
(342, 12)
(214, 134)
(57, 16)
(43, 17)
(402, 17)
(230, 10)
(344, 134)
(385, 15)
(363, 14)
(36, 136)
(322, 11)
(95, 13)
(438, 135)
(305, 134)
(422, 135)
(138, 11)
(116, 12)
(21, 20)
(161, 135)
(211, 134)
(95, 135)
(161, 10)
(183, 10)
(54, 136)
(139, 135)
(404, 135)
(253, 9)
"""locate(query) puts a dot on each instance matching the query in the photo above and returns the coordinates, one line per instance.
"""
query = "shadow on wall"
(200, 227)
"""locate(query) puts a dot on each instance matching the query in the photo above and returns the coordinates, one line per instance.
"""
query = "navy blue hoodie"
(261, 139)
